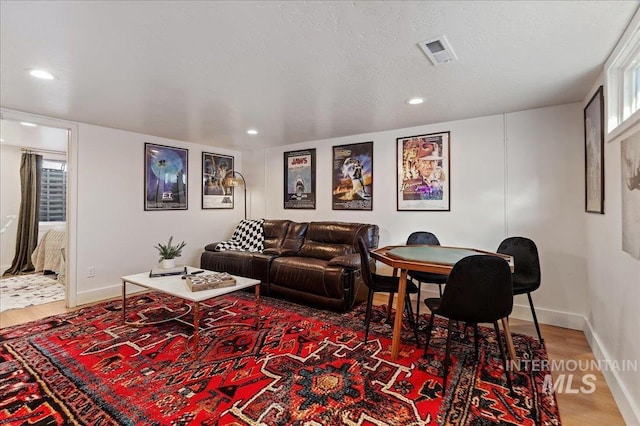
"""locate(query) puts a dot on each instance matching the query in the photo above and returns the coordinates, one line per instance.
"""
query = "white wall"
(613, 287)
(115, 234)
(9, 201)
(514, 174)
(545, 200)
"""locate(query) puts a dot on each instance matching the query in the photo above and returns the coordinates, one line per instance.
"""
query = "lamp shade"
(234, 181)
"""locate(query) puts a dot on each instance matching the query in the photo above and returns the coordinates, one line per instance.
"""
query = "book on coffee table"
(165, 272)
(211, 281)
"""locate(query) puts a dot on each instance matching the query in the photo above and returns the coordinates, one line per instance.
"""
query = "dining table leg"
(390, 301)
(397, 325)
(507, 335)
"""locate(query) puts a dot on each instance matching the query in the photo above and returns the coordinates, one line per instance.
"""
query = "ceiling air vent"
(438, 50)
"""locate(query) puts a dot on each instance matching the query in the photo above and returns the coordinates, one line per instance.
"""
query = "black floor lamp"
(232, 180)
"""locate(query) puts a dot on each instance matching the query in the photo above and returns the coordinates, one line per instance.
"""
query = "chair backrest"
(365, 265)
(478, 290)
(526, 262)
(422, 237)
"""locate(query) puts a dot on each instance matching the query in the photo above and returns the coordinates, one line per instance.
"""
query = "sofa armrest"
(351, 261)
(211, 247)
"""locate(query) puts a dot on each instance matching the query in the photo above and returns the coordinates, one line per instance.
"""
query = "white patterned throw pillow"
(248, 236)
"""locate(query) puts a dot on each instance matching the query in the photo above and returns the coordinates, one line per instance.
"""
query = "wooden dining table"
(434, 259)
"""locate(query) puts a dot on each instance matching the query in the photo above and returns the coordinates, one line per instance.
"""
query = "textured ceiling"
(207, 71)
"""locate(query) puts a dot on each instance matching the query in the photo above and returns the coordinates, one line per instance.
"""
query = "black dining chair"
(383, 284)
(421, 238)
(478, 290)
(526, 273)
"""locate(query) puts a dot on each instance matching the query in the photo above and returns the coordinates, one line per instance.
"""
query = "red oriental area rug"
(302, 367)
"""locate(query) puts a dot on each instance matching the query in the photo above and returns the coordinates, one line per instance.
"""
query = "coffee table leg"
(257, 297)
(124, 296)
(196, 328)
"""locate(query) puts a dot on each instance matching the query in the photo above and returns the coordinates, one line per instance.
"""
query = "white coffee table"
(176, 286)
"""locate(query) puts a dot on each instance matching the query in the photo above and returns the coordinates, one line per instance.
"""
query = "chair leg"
(429, 328)
(367, 317)
(503, 355)
(535, 318)
(476, 339)
(412, 322)
(418, 301)
(446, 357)
(440, 290)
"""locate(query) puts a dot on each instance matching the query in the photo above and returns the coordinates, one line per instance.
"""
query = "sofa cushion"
(274, 233)
(295, 237)
(304, 273)
(326, 240)
(248, 236)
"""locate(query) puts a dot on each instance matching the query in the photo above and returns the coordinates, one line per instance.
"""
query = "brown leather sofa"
(314, 263)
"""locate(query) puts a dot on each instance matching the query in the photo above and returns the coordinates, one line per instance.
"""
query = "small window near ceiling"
(53, 191)
(623, 79)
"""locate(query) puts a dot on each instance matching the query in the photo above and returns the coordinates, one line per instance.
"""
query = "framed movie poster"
(300, 179)
(165, 177)
(215, 193)
(423, 173)
(353, 177)
(594, 153)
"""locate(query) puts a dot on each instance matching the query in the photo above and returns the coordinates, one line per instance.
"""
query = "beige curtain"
(27, 236)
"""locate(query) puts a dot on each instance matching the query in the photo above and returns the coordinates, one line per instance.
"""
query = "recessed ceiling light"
(45, 75)
(26, 123)
(252, 132)
(415, 101)
(1, 140)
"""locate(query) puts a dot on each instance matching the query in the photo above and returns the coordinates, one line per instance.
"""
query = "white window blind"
(53, 191)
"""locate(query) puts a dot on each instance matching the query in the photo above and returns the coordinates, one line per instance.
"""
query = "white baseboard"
(523, 312)
(548, 316)
(106, 293)
(628, 408)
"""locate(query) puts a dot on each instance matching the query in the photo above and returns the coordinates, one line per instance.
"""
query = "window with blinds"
(53, 191)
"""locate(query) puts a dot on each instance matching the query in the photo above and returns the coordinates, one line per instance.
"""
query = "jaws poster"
(300, 179)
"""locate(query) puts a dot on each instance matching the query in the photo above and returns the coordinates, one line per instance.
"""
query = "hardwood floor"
(597, 408)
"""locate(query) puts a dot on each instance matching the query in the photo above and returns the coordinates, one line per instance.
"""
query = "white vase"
(168, 263)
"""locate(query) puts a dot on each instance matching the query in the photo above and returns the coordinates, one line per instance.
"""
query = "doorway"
(56, 141)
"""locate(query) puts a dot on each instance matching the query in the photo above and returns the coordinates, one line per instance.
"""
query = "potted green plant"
(169, 252)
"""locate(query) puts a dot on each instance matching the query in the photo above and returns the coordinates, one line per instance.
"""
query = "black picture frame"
(594, 154)
(423, 172)
(300, 179)
(352, 178)
(216, 194)
(165, 177)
